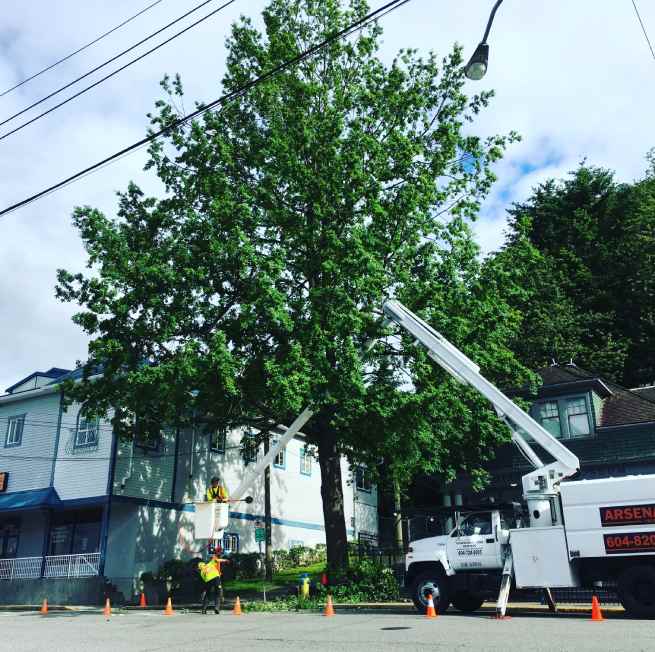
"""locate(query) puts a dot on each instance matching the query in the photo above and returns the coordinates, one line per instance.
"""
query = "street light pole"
(479, 62)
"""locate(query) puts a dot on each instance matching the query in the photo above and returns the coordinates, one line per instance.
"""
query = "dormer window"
(565, 418)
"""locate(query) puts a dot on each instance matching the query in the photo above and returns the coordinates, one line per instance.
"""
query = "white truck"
(583, 533)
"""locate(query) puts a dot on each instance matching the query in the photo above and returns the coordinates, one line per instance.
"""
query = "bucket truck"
(581, 533)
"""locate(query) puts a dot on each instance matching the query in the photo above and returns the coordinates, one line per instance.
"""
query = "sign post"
(260, 537)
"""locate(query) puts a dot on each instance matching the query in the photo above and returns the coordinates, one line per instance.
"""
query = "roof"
(621, 406)
(53, 372)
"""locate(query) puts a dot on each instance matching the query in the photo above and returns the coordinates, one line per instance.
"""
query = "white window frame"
(15, 427)
(250, 449)
(280, 461)
(218, 434)
(362, 479)
(230, 542)
(90, 431)
(305, 462)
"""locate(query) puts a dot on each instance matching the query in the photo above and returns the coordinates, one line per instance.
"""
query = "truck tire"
(637, 591)
(467, 602)
(434, 582)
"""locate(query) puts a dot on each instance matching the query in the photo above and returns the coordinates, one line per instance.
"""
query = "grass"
(280, 579)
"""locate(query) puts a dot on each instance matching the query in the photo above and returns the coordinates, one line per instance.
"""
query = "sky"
(575, 79)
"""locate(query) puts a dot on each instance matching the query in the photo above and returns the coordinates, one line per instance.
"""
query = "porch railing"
(82, 565)
(20, 568)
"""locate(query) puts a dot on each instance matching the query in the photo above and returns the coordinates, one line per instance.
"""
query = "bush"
(364, 581)
(298, 556)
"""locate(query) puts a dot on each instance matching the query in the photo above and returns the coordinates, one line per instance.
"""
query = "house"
(610, 428)
(78, 502)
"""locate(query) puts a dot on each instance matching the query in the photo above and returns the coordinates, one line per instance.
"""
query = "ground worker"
(210, 573)
(217, 492)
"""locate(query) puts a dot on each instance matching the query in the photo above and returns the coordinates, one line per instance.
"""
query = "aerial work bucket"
(211, 519)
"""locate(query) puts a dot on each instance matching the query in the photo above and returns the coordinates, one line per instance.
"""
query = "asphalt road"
(152, 631)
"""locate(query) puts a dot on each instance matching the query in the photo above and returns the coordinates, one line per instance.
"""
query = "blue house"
(80, 508)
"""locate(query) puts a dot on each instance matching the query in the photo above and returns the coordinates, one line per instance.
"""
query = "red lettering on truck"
(627, 515)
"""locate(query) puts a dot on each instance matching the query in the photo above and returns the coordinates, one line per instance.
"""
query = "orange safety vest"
(220, 494)
(210, 570)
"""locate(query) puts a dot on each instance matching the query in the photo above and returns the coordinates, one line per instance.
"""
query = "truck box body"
(610, 516)
(541, 558)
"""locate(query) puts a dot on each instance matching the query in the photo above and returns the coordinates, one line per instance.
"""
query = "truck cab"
(462, 567)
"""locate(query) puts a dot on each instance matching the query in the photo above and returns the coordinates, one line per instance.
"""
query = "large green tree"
(583, 248)
(250, 288)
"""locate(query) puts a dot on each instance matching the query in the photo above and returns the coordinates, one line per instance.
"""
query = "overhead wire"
(103, 79)
(81, 49)
(106, 63)
(643, 28)
(370, 17)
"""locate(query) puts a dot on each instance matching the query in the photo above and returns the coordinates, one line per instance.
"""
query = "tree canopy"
(583, 248)
(250, 288)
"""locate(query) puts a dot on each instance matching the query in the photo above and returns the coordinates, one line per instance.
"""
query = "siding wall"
(82, 472)
(30, 464)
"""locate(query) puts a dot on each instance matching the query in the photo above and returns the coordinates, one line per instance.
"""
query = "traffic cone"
(44, 607)
(596, 613)
(107, 610)
(329, 607)
(237, 608)
(142, 600)
(169, 608)
(431, 612)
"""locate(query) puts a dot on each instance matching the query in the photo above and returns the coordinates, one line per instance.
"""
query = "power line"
(370, 17)
(106, 63)
(106, 77)
(643, 28)
(84, 47)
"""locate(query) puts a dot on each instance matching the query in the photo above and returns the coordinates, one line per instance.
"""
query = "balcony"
(83, 565)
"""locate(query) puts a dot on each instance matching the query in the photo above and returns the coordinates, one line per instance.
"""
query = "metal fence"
(86, 565)
(23, 568)
(20, 568)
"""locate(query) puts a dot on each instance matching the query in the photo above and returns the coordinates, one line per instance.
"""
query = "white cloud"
(574, 78)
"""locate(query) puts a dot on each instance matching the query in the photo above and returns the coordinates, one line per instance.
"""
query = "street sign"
(260, 534)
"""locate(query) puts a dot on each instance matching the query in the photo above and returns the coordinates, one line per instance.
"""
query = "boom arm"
(465, 371)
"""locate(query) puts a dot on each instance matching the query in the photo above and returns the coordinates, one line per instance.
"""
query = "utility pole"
(268, 562)
(398, 518)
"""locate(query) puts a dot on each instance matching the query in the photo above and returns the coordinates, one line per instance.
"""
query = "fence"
(21, 568)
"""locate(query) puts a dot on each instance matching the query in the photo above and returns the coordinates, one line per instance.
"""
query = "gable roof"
(53, 372)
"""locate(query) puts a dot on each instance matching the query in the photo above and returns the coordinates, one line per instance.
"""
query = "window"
(474, 524)
(280, 460)
(217, 440)
(86, 433)
(15, 431)
(230, 542)
(549, 418)
(75, 532)
(363, 479)
(577, 417)
(305, 462)
(250, 448)
(9, 532)
(565, 418)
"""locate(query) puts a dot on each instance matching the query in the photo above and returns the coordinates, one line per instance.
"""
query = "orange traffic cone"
(237, 608)
(596, 613)
(169, 608)
(431, 612)
(329, 607)
(44, 607)
(142, 600)
(107, 610)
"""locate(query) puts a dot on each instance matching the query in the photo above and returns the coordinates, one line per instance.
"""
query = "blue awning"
(32, 499)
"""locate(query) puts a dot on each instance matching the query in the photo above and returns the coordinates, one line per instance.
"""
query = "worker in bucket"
(217, 492)
(210, 573)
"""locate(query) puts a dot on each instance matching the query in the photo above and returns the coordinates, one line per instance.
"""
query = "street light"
(479, 62)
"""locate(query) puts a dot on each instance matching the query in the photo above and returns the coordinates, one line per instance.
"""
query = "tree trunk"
(332, 496)
(398, 519)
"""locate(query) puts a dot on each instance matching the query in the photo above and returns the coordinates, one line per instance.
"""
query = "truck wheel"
(467, 602)
(432, 582)
(637, 591)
